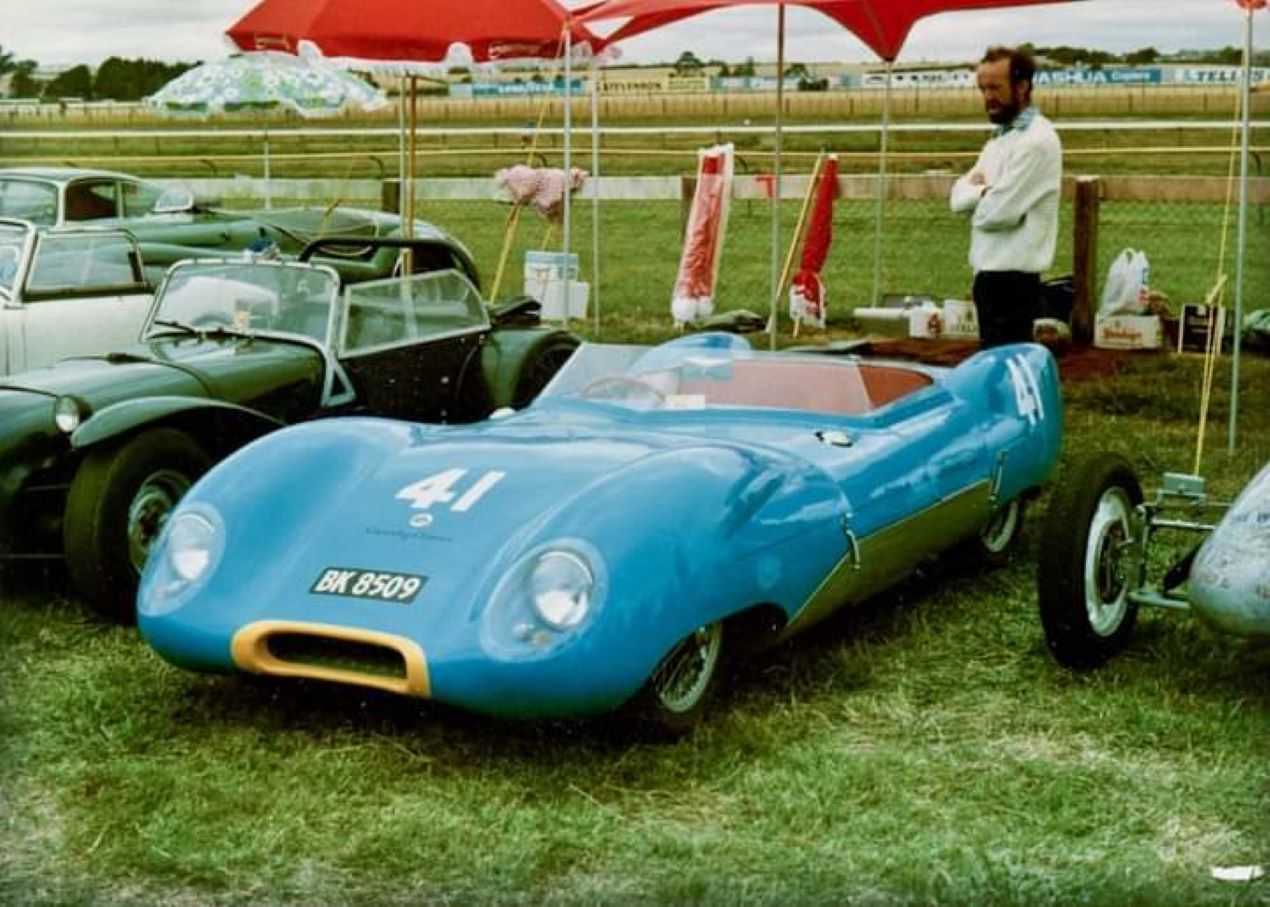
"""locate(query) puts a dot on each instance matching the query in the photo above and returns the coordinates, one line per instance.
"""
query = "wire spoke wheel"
(682, 679)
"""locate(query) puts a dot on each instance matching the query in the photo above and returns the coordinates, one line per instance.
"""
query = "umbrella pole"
(568, 165)
(776, 173)
(595, 194)
(881, 199)
(268, 179)
(401, 151)
(1242, 229)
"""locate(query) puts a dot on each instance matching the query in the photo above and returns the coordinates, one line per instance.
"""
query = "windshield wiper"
(179, 325)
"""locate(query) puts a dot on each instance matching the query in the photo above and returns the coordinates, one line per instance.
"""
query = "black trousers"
(1006, 303)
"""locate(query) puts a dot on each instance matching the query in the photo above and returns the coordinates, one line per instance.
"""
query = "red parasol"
(693, 296)
(881, 24)
(808, 289)
(404, 31)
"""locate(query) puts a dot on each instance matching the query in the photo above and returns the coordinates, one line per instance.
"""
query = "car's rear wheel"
(1083, 574)
(120, 500)
(539, 367)
(674, 699)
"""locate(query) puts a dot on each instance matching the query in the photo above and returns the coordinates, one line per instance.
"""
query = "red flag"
(1251, 4)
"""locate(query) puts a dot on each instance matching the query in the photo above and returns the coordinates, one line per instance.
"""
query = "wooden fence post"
(1085, 257)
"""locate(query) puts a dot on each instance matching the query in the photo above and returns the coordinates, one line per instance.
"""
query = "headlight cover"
(547, 598)
(560, 586)
(185, 556)
(191, 545)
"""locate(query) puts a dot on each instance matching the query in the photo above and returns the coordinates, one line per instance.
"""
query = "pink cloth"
(542, 188)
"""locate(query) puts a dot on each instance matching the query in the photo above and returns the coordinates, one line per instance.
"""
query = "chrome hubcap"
(1106, 591)
(150, 510)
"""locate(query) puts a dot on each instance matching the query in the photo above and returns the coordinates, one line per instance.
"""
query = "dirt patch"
(1077, 364)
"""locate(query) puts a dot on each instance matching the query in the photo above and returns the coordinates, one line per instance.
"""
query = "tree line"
(116, 79)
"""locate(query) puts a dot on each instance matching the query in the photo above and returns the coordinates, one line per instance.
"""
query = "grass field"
(921, 749)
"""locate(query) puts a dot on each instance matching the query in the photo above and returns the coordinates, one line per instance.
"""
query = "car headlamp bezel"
(191, 546)
(69, 413)
(561, 584)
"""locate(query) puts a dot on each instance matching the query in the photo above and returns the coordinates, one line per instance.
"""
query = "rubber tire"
(1065, 539)
(650, 714)
(94, 531)
(539, 367)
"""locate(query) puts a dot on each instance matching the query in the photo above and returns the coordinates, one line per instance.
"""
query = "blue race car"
(602, 548)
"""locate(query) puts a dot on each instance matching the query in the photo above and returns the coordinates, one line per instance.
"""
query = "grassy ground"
(921, 749)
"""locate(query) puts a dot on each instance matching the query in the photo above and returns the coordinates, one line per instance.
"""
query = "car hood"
(181, 366)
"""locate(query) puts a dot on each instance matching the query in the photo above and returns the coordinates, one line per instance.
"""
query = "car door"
(411, 346)
(84, 293)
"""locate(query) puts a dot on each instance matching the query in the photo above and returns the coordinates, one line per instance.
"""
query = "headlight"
(191, 546)
(560, 586)
(68, 413)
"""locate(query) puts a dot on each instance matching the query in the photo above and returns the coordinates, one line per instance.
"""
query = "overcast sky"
(88, 31)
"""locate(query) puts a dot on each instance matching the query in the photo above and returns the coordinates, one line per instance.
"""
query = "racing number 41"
(1027, 391)
(440, 489)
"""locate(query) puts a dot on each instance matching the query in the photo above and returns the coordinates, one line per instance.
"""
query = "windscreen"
(249, 297)
(695, 377)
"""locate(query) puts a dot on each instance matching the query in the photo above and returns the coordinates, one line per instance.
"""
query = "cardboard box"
(960, 321)
(1128, 332)
(887, 322)
(1193, 327)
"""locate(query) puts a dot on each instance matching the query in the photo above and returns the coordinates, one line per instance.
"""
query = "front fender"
(121, 418)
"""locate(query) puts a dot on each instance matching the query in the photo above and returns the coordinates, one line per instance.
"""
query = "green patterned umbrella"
(266, 80)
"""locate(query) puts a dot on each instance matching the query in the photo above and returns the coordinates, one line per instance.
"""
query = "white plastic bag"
(1127, 290)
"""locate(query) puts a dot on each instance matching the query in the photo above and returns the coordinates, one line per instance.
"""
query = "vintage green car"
(96, 451)
(170, 225)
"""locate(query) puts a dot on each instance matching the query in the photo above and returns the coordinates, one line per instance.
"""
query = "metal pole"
(773, 321)
(268, 180)
(568, 165)
(881, 199)
(595, 193)
(1242, 230)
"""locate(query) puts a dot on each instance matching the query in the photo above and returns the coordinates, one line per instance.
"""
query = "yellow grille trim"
(250, 650)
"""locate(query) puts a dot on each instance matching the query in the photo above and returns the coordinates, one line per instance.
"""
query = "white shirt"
(1014, 223)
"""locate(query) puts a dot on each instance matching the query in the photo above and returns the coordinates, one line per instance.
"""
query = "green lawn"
(921, 749)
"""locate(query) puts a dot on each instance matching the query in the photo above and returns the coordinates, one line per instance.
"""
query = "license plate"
(378, 585)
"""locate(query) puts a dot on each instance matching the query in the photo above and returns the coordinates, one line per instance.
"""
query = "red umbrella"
(405, 31)
(808, 287)
(881, 24)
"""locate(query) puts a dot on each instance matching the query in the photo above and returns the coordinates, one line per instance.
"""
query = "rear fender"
(504, 356)
(1019, 384)
(220, 427)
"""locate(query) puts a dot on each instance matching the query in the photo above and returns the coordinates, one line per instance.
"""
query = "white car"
(67, 292)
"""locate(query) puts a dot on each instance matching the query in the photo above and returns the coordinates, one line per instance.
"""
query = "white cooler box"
(1128, 332)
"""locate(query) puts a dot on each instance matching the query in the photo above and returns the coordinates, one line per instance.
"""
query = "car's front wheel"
(119, 501)
(1084, 574)
(674, 699)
